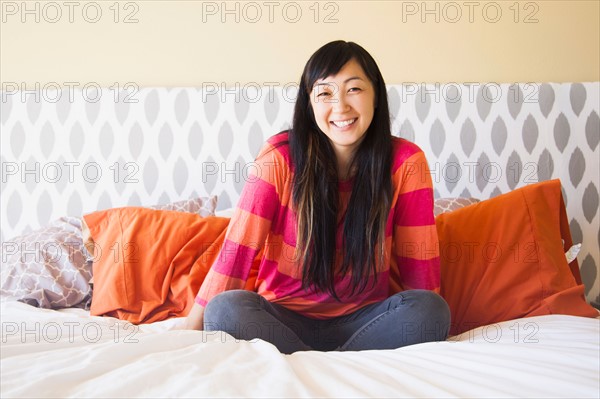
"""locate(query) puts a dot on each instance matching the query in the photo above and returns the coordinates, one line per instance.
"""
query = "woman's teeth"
(344, 123)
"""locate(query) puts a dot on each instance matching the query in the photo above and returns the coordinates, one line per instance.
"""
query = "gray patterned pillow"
(443, 205)
(51, 268)
(203, 206)
(47, 267)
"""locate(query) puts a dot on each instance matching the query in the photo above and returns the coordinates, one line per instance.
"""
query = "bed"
(546, 356)
(523, 323)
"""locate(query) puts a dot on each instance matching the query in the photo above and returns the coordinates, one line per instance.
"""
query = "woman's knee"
(228, 306)
(433, 304)
(430, 311)
(423, 310)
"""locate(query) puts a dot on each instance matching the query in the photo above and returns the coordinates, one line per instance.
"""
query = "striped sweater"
(264, 219)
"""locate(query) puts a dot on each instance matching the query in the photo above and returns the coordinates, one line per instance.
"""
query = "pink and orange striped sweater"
(264, 219)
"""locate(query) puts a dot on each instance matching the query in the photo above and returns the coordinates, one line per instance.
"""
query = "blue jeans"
(406, 318)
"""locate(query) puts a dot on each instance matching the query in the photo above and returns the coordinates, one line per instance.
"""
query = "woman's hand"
(195, 319)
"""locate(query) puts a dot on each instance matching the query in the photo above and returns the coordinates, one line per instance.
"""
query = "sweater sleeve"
(415, 241)
(249, 226)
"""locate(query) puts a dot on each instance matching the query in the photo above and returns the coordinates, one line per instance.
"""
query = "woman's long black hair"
(315, 185)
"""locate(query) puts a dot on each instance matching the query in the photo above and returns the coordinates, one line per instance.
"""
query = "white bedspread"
(66, 353)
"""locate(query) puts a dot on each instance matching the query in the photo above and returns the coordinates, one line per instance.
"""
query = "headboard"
(76, 150)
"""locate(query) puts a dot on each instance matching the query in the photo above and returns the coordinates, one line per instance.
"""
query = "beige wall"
(185, 43)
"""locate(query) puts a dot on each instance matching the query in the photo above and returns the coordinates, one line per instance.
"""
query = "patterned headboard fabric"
(74, 151)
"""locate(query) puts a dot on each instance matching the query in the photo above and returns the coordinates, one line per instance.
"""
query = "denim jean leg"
(246, 315)
(411, 317)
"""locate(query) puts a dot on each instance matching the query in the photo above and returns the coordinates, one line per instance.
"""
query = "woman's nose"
(340, 103)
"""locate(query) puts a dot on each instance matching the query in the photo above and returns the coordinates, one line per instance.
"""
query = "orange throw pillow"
(503, 259)
(149, 264)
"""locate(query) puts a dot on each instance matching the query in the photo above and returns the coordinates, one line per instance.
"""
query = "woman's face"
(343, 105)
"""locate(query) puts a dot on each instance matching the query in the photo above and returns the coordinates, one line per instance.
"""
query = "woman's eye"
(355, 89)
(322, 94)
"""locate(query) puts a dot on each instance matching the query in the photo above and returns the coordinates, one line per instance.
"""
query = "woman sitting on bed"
(343, 214)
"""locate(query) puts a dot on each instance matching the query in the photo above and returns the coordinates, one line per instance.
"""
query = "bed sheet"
(67, 353)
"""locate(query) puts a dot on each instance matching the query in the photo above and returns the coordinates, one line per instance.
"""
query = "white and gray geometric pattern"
(71, 152)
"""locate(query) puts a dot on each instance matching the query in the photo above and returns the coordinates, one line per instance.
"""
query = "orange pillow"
(503, 259)
(149, 264)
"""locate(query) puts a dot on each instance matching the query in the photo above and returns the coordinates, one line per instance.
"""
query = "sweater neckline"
(346, 185)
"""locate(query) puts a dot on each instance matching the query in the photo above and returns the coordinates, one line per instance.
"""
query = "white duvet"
(46, 353)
